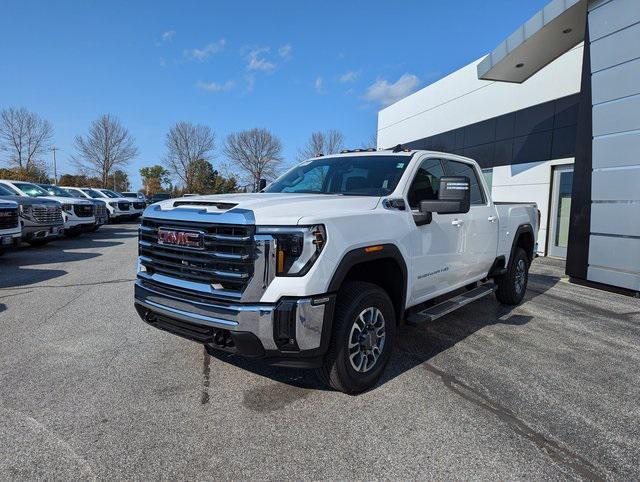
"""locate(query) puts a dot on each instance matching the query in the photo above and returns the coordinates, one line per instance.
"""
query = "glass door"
(560, 211)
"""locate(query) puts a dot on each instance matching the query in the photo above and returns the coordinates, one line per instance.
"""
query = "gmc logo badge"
(189, 239)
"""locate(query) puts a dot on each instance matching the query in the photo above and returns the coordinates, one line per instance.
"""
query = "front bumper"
(9, 240)
(293, 332)
(37, 231)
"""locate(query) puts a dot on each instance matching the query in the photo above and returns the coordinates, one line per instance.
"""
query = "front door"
(560, 211)
(438, 258)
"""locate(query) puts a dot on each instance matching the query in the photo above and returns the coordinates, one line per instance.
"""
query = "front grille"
(139, 205)
(83, 210)
(122, 206)
(101, 210)
(226, 260)
(8, 218)
(47, 214)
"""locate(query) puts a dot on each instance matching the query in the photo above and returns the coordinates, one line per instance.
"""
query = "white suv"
(117, 207)
(78, 214)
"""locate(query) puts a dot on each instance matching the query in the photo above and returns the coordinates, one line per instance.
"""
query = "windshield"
(130, 195)
(56, 191)
(4, 191)
(94, 194)
(110, 194)
(349, 175)
(31, 189)
(161, 196)
(74, 192)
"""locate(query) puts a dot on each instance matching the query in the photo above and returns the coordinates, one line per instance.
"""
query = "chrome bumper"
(289, 327)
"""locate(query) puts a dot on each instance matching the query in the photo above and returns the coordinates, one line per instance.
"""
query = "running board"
(434, 312)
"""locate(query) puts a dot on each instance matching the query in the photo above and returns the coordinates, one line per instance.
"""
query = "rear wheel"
(362, 339)
(512, 285)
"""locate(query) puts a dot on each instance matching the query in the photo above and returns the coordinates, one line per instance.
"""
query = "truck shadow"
(416, 345)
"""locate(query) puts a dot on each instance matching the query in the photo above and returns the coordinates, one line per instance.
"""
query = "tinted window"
(4, 191)
(426, 184)
(31, 189)
(349, 175)
(455, 168)
(94, 194)
(75, 192)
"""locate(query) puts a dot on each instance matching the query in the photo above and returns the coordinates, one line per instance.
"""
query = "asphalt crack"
(562, 456)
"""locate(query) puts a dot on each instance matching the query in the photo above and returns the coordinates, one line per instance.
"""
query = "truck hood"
(67, 200)
(30, 201)
(271, 208)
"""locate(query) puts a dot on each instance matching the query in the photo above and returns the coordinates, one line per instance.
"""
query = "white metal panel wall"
(461, 99)
(528, 182)
(614, 246)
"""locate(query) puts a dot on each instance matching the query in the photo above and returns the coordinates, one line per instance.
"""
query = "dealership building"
(552, 115)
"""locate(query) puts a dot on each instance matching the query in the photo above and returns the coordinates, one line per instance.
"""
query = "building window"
(488, 178)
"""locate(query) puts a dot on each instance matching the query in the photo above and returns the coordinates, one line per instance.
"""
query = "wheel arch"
(384, 267)
(525, 239)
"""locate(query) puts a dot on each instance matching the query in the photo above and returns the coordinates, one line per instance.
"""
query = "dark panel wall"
(537, 133)
(580, 224)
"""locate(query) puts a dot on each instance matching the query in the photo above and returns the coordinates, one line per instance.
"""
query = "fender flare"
(359, 255)
(522, 229)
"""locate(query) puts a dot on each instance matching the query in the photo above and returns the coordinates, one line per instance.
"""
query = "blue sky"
(291, 66)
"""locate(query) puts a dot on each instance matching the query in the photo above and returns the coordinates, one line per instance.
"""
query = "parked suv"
(98, 210)
(117, 207)
(102, 215)
(40, 219)
(78, 214)
(10, 230)
(139, 196)
(320, 269)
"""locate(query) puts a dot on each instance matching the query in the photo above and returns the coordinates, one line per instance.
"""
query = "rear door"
(480, 223)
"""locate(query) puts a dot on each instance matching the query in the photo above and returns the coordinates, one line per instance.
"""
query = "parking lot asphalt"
(546, 390)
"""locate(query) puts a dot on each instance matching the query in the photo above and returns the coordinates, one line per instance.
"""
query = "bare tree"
(25, 137)
(107, 146)
(257, 152)
(321, 143)
(187, 143)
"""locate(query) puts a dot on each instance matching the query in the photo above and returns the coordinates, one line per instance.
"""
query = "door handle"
(492, 219)
(457, 222)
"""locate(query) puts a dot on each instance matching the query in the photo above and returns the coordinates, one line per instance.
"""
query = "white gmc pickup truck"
(319, 269)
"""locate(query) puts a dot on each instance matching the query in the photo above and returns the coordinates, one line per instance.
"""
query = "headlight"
(113, 204)
(26, 210)
(67, 208)
(297, 247)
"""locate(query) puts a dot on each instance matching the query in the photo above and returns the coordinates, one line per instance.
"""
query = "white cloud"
(285, 51)
(257, 61)
(318, 84)
(168, 35)
(208, 50)
(215, 86)
(251, 82)
(349, 76)
(384, 93)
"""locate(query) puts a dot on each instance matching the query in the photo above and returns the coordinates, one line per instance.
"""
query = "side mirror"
(454, 197)
(262, 184)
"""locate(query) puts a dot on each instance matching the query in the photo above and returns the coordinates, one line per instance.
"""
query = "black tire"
(38, 242)
(512, 286)
(72, 234)
(337, 371)
(95, 228)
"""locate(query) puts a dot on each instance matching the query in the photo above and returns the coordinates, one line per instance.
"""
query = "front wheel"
(512, 285)
(362, 339)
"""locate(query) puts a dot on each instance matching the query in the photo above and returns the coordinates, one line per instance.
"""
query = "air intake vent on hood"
(218, 205)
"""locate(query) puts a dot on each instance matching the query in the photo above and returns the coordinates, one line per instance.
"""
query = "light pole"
(55, 167)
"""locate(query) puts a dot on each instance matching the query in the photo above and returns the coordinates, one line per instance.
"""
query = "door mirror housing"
(454, 197)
